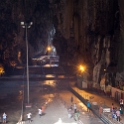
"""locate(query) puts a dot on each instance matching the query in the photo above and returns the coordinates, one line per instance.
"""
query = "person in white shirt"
(121, 103)
(118, 114)
(40, 112)
(29, 117)
(69, 113)
(75, 107)
(4, 117)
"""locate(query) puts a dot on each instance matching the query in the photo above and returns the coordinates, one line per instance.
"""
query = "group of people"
(116, 112)
(40, 113)
(73, 112)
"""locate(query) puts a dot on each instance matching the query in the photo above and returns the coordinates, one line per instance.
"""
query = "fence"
(105, 117)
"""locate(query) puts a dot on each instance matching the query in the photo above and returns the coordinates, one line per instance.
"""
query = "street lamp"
(26, 26)
(49, 50)
(81, 75)
(1, 70)
(81, 68)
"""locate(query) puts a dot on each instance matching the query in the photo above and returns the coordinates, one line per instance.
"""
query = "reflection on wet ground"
(11, 93)
(40, 93)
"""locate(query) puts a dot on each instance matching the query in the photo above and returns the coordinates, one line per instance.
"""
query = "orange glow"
(49, 48)
(81, 68)
(1, 70)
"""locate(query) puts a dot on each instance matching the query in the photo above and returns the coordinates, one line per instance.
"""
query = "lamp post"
(81, 70)
(1, 70)
(49, 50)
(26, 26)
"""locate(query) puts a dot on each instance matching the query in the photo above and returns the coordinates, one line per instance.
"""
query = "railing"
(106, 118)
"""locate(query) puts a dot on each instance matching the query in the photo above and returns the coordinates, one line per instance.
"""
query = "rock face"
(82, 31)
(92, 33)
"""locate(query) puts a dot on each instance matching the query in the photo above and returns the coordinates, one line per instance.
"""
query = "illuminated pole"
(26, 26)
(49, 50)
(81, 69)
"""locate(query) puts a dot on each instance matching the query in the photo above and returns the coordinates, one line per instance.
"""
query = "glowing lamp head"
(49, 48)
(1, 70)
(81, 68)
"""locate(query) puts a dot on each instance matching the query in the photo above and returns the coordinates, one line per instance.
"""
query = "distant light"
(81, 68)
(28, 24)
(31, 23)
(50, 76)
(22, 23)
(1, 70)
(49, 48)
(23, 26)
(50, 65)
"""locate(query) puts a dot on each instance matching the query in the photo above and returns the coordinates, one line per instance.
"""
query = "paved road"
(59, 101)
(57, 108)
(39, 94)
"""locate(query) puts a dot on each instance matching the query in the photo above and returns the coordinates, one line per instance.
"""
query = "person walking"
(69, 113)
(121, 103)
(121, 111)
(100, 111)
(29, 117)
(88, 106)
(114, 116)
(76, 115)
(4, 117)
(75, 107)
(118, 114)
(43, 108)
(39, 112)
(112, 107)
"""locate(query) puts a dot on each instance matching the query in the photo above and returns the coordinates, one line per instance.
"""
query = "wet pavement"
(57, 108)
(58, 102)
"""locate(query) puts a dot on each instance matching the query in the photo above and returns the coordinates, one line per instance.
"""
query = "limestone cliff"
(82, 31)
(91, 29)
